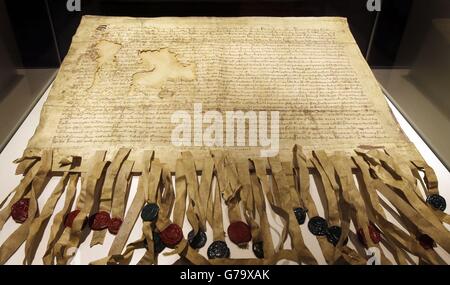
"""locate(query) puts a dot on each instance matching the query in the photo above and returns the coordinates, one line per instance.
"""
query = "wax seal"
(99, 221)
(334, 234)
(171, 235)
(437, 201)
(218, 249)
(150, 212)
(318, 226)
(19, 210)
(258, 249)
(300, 215)
(114, 225)
(374, 233)
(239, 232)
(198, 240)
(70, 217)
(426, 241)
(158, 245)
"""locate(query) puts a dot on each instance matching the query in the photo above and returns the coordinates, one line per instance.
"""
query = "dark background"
(43, 29)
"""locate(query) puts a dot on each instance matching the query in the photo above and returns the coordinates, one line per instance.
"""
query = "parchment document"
(124, 78)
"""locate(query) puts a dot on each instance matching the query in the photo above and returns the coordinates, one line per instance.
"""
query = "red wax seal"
(68, 221)
(374, 233)
(426, 241)
(19, 210)
(239, 233)
(172, 235)
(114, 225)
(99, 221)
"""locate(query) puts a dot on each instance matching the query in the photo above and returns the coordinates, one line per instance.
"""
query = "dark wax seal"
(197, 241)
(437, 202)
(150, 212)
(114, 225)
(239, 233)
(318, 226)
(300, 215)
(258, 249)
(171, 235)
(19, 210)
(99, 221)
(68, 220)
(334, 234)
(426, 241)
(218, 249)
(374, 233)
(158, 245)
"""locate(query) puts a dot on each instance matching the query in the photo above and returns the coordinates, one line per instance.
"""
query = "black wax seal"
(158, 245)
(150, 212)
(300, 214)
(426, 241)
(258, 249)
(334, 234)
(318, 226)
(197, 241)
(218, 249)
(437, 202)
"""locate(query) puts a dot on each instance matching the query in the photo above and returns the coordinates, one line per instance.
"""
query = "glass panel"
(28, 61)
(418, 82)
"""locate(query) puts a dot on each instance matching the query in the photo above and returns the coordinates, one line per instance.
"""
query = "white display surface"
(85, 254)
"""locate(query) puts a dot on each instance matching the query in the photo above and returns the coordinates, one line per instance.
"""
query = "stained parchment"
(123, 78)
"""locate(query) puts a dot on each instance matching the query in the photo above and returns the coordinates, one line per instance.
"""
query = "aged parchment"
(123, 78)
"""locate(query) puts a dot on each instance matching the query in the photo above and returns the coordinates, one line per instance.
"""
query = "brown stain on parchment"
(161, 66)
(106, 54)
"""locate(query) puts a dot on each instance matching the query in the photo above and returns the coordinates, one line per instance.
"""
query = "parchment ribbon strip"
(195, 208)
(133, 212)
(165, 200)
(10, 246)
(108, 190)
(246, 195)
(205, 190)
(25, 163)
(217, 226)
(151, 197)
(419, 205)
(19, 192)
(261, 173)
(57, 227)
(300, 165)
(332, 211)
(38, 225)
(430, 177)
(228, 184)
(400, 238)
(304, 255)
(264, 231)
(153, 183)
(351, 195)
(122, 187)
(69, 245)
(181, 192)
